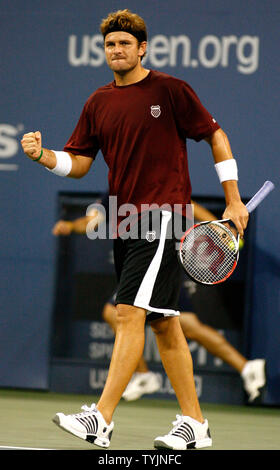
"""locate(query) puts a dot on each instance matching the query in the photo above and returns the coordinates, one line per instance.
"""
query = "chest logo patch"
(155, 111)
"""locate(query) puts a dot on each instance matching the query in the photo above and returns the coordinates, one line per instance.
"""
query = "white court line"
(23, 448)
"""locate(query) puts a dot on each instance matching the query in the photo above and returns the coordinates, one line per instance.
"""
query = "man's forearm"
(59, 162)
(79, 164)
(235, 209)
(231, 191)
(48, 159)
(221, 151)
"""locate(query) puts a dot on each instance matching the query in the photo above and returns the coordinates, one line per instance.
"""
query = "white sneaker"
(186, 434)
(254, 377)
(141, 383)
(88, 425)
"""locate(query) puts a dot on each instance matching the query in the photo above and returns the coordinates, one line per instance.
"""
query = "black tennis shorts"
(148, 271)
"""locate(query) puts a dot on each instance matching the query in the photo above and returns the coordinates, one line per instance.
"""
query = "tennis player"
(140, 121)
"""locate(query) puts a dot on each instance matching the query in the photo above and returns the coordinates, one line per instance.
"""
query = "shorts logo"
(151, 236)
(155, 111)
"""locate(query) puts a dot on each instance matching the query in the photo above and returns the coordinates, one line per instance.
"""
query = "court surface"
(26, 422)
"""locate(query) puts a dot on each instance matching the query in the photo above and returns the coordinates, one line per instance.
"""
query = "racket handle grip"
(259, 196)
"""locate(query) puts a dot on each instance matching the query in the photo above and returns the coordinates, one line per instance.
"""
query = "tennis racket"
(209, 251)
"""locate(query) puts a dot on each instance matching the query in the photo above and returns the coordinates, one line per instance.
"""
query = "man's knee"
(168, 333)
(129, 314)
(163, 325)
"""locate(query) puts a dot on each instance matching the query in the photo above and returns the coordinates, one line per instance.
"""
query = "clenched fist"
(32, 144)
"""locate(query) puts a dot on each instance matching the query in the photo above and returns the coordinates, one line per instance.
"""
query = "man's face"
(123, 51)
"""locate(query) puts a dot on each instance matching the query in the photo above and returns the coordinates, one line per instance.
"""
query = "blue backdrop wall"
(51, 60)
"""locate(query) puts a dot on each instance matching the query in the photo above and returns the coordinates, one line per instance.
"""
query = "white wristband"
(227, 170)
(63, 163)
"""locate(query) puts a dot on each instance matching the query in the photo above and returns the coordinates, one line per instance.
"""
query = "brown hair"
(124, 20)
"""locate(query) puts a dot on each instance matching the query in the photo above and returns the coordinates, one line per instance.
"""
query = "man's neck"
(133, 76)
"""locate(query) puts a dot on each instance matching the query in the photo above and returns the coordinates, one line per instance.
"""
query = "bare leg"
(177, 361)
(212, 340)
(127, 351)
(109, 315)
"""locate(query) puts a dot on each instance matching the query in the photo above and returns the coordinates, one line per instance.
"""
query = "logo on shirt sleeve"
(155, 111)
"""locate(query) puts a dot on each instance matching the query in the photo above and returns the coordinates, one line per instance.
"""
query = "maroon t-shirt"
(141, 130)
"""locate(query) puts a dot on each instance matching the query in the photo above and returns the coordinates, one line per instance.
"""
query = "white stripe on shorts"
(145, 290)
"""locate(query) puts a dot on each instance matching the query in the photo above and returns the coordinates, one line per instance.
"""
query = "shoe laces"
(179, 421)
(86, 410)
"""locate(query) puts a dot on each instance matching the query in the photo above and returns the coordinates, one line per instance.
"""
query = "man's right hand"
(32, 144)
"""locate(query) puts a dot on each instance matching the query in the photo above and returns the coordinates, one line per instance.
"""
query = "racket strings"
(209, 252)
